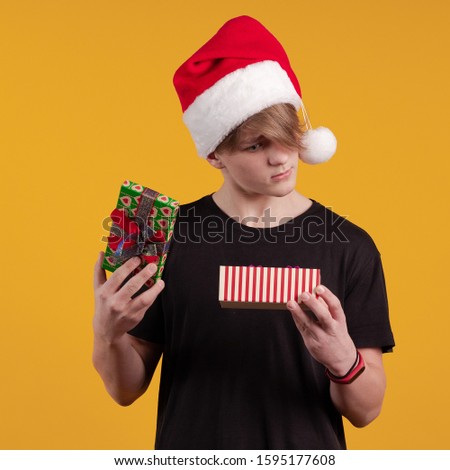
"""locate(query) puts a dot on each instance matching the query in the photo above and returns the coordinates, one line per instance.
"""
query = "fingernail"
(161, 283)
(291, 305)
(320, 289)
(304, 296)
(151, 268)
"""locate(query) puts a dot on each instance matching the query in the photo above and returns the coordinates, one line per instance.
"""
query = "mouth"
(281, 176)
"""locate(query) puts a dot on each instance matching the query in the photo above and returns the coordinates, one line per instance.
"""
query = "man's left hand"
(325, 330)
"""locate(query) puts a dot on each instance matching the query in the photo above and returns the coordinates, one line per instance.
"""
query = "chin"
(282, 192)
(283, 189)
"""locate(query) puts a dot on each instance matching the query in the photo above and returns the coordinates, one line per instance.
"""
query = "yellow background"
(86, 100)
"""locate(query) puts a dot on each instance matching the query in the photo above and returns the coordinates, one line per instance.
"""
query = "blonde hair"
(279, 123)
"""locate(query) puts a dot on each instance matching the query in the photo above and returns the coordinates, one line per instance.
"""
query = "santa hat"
(240, 71)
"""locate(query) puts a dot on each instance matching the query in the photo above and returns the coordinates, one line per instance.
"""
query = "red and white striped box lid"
(264, 287)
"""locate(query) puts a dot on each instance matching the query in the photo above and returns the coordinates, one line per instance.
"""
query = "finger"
(146, 299)
(302, 320)
(333, 303)
(318, 307)
(119, 275)
(135, 283)
(99, 272)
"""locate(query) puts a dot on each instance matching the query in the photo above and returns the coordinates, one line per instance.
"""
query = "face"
(260, 166)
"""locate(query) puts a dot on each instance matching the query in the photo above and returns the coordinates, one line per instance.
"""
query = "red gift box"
(264, 287)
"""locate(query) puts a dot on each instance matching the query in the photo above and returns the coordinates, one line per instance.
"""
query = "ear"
(214, 160)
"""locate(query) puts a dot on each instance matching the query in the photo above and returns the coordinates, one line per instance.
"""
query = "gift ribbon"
(133, 237)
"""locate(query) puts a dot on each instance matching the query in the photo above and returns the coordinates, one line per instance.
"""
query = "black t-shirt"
(241, 378)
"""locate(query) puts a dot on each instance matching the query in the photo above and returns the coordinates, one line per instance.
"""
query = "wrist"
(340, 366)
(107, 339)
(354, 372)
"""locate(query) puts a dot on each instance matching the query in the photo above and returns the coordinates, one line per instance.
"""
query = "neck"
(264, 211)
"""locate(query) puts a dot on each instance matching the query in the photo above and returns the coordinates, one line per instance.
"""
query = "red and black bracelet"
(355, 371)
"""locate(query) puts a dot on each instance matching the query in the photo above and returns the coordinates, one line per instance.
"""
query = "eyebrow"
(250, 139)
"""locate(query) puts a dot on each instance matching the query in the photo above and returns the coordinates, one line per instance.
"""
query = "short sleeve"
(366, 304)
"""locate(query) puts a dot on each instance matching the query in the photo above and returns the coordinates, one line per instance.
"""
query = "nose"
(277, 154)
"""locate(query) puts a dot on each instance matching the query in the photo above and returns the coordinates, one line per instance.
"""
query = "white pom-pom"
(318, 145)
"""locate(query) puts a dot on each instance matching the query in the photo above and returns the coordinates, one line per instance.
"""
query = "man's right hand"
(116, 312)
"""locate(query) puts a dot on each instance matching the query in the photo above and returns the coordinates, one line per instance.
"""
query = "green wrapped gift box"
(142, 225)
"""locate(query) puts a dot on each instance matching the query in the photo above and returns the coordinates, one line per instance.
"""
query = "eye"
(254, 147)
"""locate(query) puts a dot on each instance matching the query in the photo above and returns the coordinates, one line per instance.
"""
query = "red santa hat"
(240, 71)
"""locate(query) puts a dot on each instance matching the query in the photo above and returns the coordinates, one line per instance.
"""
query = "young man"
(237, 378)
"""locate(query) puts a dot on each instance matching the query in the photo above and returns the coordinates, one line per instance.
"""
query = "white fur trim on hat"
(233, 99)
